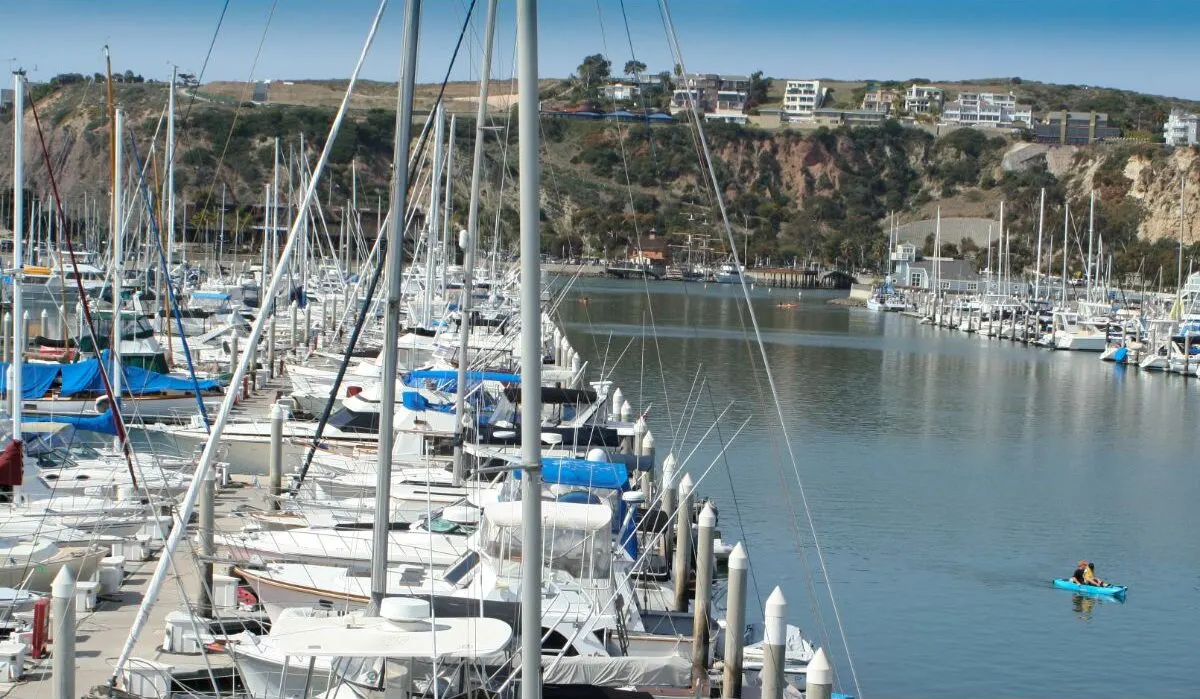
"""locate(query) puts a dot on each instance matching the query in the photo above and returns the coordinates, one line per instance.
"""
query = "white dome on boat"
(404, 609)
(597, 455)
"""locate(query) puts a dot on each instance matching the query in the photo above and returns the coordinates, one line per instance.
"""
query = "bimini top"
(565, 515)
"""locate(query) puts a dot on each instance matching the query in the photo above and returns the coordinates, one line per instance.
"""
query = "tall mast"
(1003, 253)
(18, 308)
(1066, 248)
(434, 222)
(531, 350)
(1091, 239)
(118, 254)
(446, 249)
(171, 172)
(472, 237)
(1179, 271)
(1037, 268)
(391, 316)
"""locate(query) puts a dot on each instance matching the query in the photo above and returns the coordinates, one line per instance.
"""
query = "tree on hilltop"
(634, 68)
(592, 73)
(759, 89)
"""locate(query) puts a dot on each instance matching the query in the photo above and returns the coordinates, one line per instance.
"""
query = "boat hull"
(1112, 591)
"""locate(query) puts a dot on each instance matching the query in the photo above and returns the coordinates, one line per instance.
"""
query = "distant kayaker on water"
(1090, 576)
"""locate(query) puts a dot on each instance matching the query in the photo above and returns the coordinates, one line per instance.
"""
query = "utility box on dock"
(146, 678)
(12, 661)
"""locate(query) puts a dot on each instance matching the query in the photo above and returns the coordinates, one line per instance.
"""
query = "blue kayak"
(1110, 591)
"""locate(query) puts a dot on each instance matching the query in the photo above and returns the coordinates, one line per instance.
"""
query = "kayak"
(1110, 591)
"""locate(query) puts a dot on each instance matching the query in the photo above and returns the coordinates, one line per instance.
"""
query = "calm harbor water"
(950, 478)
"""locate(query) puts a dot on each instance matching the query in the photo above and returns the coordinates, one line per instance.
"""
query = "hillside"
(819, 195)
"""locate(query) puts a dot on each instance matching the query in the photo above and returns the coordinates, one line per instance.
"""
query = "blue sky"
(1147, 46)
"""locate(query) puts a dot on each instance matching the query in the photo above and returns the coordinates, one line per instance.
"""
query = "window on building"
(972, 286)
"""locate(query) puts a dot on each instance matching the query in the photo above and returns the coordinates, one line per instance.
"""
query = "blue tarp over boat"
(84, 377)
(103, 422)
(583, 473)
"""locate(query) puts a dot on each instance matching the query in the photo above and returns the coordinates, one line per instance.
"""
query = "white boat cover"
(641, 671)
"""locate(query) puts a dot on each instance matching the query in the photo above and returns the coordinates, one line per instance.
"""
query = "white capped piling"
(271, 368)
(774, 641)
(706, 530)
(667, 507)
(295, 336)
(819, 677)
(5, 336)
(63, 612)
(43, 317)
(639, 433)
(618, 398)
(683, 543)
(233, 355)
(307, 321)
(735, 621)
(325, 313)
(25, 317)
(626, 412)
(275, 462)
(208, 494)
(62, 323)
(647, 450)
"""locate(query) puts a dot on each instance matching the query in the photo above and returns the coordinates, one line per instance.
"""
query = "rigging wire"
(673, 41)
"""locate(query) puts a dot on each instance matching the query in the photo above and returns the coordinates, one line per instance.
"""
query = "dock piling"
(774, 642)
(207, 521)
(667, 506)
(704, 572)
(275, 462)
(735, 621)
(683, 543)
(819, 678)
(295, 336)
(63, 611)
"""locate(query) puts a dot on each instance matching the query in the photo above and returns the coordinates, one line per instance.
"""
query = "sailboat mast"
(472, 237)
(391, 316)
(1003, 253)
(447, 254)
(1179, 272)
(1091, 240)
(434, 222)
(18, 308)
(1037, 267)
(117, 253)
(1066, 247)
(171, 171)
(531, 350)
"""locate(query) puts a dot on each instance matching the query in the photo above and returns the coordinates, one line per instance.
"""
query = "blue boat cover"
(415, 401)
(583, 473)
(84, 377)
(210, 295)
(103, 422)
(1120, 355)
(35, 379)
(447, 379)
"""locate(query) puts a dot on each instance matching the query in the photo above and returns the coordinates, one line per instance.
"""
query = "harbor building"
(801, 98)
(992, 109)
(1075, 128)
(923, 99)
(879, 100)
(1181, 128)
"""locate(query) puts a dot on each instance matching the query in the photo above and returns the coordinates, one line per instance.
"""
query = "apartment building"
(1181, 128)
(922, 99)
(987, 109)
(879, 100)
(801, 98)
(620, 92)
(718, 97)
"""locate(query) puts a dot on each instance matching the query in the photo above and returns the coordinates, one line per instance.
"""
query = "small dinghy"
(1110, 591)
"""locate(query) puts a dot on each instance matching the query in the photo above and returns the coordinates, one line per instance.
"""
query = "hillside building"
(801, 98)
(879, 100)
(987, 109)
(718, 97)
(923, 99)
(6, 99)
(620, 92)
(1182, 129)
(1075, 128)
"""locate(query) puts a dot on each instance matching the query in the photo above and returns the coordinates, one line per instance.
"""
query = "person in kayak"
(1089, 576)
(1079, 577)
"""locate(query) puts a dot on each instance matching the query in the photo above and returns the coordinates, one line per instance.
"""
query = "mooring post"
(275, 462)
(819, 677)
(208, 492)
(774, 642)
(63, 610)
(683, 543)
(735, 622)
(707, 522)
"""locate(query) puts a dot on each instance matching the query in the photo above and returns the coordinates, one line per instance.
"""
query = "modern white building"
(801, 98)
(987, 109)
(879, 100)
(620, 92)
(1182, 129)
(921, 99)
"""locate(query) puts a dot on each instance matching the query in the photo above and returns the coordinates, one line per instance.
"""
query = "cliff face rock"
(1155, 182)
